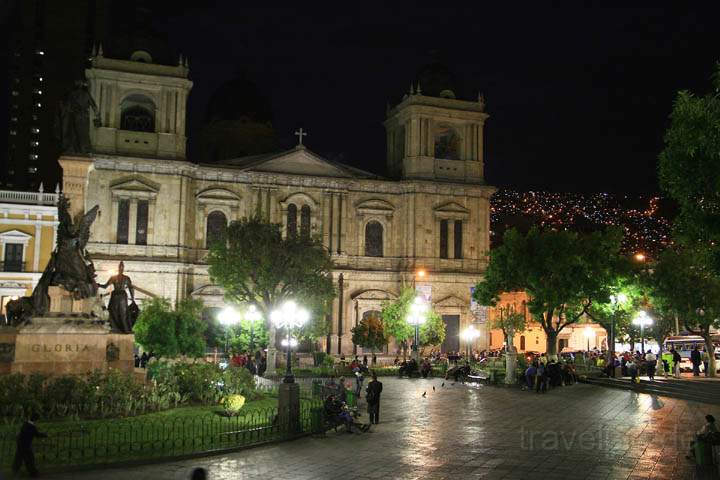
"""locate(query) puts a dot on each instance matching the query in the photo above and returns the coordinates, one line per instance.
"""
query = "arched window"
(291, 220)
(447, 143)
(137, 114)
(373, 239)
(216, 224)
(305, 221)
(522, 343)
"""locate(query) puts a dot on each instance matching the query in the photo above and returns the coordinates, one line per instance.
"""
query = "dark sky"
(578, 97)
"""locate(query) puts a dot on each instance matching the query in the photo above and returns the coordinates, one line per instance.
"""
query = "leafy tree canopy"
(394, 316)
(256, 265)
(562, 272)
(169, 332)
(369, 333)
(689, 167)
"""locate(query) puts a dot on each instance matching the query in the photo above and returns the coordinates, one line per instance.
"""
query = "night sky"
(578, 97)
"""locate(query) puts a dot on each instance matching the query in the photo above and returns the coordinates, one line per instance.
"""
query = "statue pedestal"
(61, 345)
(7, 348)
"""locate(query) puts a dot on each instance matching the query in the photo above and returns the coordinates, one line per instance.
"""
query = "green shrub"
(232, 404)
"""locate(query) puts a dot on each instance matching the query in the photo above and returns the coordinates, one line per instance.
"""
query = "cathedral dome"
(238, 123)
(436, 80)
(239, 99)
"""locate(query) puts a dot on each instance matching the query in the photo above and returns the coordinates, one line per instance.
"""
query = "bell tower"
(436, 137)
(142, 105)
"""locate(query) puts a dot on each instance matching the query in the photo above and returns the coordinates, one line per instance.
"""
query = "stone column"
(326, 199)
(75, 172)
(272, 351)
(36, 249)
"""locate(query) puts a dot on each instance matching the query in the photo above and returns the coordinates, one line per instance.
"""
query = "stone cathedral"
(159, 209)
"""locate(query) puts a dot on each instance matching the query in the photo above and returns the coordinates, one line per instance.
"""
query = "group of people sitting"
(544, 372)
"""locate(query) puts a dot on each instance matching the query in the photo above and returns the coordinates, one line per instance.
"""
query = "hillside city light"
(416, 317)
(289, 316)
(469, 335)
(642, 319)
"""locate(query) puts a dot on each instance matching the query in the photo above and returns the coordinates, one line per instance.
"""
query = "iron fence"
(132, 440)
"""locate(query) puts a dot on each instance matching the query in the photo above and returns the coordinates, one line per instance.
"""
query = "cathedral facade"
(159, 210)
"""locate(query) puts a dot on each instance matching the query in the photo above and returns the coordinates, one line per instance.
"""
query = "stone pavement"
(458, 432)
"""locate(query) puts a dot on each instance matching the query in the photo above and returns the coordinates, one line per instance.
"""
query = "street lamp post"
(416, 317)
(228, 317)
(289, 316)
(617, 301)
(252, 315)
(469, 335)
(642, 319)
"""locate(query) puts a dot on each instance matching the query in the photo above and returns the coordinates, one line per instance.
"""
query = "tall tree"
(562, 272)
(510, 322)
(689, 168)
(685, 286)
(626, 298)
(169, 332)
(255, 265)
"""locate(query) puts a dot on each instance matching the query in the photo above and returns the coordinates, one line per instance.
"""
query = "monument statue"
(69, 267)
(72, 125)
(122, 316)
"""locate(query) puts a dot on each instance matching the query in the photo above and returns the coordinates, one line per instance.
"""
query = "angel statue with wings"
(69, 266)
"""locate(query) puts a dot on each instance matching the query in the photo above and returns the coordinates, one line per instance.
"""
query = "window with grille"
(123, 221)
(141, 225)
(292, 220)
(305, 221)
(443, 239)
(374, 239)
(458, 232)
(216, 224)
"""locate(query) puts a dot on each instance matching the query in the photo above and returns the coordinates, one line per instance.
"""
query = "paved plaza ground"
(459, 432)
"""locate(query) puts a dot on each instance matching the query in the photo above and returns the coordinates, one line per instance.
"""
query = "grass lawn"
(180, 431)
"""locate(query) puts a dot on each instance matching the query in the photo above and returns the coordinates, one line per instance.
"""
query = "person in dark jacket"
(24, 453)
(372, 397)
(696, 359)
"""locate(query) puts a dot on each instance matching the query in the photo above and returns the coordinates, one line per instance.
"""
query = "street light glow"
(229, 316)
(470, 334)
(416, 315)
(642, 319)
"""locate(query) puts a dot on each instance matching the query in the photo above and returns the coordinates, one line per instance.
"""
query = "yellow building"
(575, 337)
(28, 223)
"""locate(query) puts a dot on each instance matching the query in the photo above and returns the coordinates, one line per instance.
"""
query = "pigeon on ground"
(433, 388)
(443, 384)
(424, 394)
(453, 383)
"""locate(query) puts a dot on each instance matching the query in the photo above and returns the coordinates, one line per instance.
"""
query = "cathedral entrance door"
(452, 333)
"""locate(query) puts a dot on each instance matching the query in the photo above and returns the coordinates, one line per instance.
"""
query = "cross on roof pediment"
(298, 161)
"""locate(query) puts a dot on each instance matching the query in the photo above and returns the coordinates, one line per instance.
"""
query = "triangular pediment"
(300, 162)
(450, 301)
(451, 207)
(135, 184)
(14, 236)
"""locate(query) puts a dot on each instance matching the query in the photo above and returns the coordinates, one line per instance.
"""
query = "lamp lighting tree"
(290, 316)
(416, 317)
(469, 335)
(228, 318)
(642, 319)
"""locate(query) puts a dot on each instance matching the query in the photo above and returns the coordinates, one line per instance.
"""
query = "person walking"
(24, 452)
(359, 379)
(372, 397)
(696, 360)
(541, 378)
(676, 362)
(632, 369)
(650, 364)
(667, 361)
(706, 361)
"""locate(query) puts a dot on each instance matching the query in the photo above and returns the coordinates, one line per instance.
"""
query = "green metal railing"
(132, 440)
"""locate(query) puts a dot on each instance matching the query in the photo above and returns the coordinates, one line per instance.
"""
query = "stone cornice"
(226, 174)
